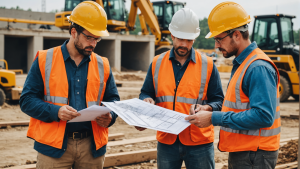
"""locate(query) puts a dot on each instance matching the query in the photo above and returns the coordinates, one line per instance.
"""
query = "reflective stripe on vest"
(63, 100)
(236, 100)
(239, 105)
(52, 67)
(181, 99)
(157, 66)
(48, 66)
(101, 74)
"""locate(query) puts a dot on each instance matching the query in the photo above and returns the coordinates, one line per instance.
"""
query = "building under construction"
(19, 43)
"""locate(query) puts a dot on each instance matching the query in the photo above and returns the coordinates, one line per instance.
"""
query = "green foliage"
(201, 42)
(138, 27)
(2, 7)
(296, 36)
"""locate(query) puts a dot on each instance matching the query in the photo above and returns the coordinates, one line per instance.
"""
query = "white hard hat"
(185, 24)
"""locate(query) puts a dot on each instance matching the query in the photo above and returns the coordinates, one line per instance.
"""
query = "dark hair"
(245, 34)
(77, 27)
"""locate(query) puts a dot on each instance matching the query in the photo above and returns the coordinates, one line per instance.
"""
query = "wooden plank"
(294, 116)
(115, 136)
(132, 141)
(14, 123)
(288, 139)
(284, 141)
(129, 157)
(30, 166)
(115, 159)
(287, 165)
(281, 166)
(285, 116)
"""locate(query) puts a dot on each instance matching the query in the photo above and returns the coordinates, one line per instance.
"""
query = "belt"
(79, 135)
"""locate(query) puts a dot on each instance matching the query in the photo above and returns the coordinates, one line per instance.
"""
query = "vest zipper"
(175, 90)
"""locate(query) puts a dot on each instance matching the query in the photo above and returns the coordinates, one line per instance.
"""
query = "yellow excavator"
(156, 15)
(274, 35)
(8, 89)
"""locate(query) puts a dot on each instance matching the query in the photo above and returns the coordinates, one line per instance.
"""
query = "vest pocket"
(166, 138)
(51, 134)
(201, 134)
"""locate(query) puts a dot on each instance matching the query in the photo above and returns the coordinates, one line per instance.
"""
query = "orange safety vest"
(53, 71)
(235, 100)
(193, 85)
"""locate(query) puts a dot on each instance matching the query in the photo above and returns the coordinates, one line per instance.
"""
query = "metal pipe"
(14, 20)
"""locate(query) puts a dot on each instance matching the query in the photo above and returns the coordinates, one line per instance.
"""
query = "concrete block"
(35, 44)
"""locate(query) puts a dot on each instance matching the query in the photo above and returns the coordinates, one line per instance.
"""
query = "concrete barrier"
(19, 47)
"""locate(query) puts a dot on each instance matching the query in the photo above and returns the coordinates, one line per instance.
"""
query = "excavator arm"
(100, 2)
(149, 16)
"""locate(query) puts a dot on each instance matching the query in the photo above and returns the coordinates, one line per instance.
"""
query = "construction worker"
(250, 117)
(64, 80)
(177, 79)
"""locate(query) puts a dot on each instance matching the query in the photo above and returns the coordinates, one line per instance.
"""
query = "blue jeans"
(259, 159)
(194, 157)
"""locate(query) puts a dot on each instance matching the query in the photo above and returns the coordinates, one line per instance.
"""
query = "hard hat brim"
(98, 33)
(210, 35)
(184, 35)
(94, 32)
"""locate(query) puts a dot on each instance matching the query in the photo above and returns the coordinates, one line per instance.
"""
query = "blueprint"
(139, 113)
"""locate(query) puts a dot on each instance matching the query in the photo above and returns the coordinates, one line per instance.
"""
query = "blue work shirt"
(32, 104)
(215, 94)
(260, 85)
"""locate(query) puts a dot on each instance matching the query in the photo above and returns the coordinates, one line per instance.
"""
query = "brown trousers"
(78, 155)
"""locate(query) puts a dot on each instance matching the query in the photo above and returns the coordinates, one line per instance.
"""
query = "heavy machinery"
(157, 15)
(8, 89)
(115, 10)
(274, 35)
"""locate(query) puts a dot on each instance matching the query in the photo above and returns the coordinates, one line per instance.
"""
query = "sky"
(200, 7)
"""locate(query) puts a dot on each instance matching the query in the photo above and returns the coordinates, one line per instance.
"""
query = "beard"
(231, 53)
(181, 54)
(82, 50)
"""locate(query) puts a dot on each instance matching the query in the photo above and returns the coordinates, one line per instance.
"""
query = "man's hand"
(149, 100)
(140, 128)
(201, 119)
(67, 112)
(198, 108)
(104, 120)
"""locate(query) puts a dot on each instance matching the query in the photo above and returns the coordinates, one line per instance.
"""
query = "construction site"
(129, 57)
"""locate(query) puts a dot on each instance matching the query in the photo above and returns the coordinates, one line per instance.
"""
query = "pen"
(196, 105)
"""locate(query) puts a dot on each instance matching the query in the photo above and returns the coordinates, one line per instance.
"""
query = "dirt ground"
(17, 149)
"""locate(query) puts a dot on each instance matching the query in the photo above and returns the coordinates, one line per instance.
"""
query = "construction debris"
(288, 152)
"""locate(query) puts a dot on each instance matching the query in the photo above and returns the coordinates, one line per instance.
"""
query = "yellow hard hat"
(226, 16)
(91, 16)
